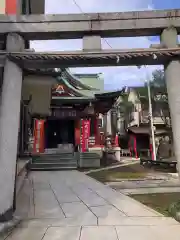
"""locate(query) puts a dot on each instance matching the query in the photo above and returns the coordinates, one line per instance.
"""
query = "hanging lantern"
(89, 109)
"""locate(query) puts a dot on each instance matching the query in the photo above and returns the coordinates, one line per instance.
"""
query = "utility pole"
(150, 110)
(151, 119)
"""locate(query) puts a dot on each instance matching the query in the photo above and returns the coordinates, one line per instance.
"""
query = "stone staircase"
(54, 161)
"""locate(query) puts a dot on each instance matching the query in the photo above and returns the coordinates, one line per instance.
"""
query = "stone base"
(77, 157)
(117, 153)
(90, 159)
(89, 163)
(97, 150)
(7, 216)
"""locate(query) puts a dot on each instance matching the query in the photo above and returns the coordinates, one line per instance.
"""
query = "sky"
(114, 77)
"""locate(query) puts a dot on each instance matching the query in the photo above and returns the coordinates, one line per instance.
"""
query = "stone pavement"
(68, 205)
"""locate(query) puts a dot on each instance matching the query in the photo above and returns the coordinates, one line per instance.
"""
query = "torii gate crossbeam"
(67, 26)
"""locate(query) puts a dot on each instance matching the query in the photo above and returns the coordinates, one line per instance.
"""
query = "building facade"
(134, 121)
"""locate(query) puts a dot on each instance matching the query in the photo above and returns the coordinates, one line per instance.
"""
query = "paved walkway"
(68, 205)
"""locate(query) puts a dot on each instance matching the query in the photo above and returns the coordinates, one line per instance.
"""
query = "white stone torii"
(169, 38)
(10, 114)
(9, 127)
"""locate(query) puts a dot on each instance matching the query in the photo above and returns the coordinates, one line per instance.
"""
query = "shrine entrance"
(59, 131)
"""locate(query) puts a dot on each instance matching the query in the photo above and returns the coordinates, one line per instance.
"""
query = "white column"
(172, 75)
(109, 126)
(9, 125)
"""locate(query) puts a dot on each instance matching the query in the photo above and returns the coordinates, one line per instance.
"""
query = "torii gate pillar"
(169, 38)
(9, 127)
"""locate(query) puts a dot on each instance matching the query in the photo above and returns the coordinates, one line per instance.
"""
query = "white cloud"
(115, 77)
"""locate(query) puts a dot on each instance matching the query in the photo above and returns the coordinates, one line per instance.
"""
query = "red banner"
(11, 7)
(85, 133)
(39, 136)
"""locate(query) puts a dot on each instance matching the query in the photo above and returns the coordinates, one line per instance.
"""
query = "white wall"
(133, 97)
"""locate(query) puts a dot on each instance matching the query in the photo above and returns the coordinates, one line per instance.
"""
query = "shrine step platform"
(56, 161)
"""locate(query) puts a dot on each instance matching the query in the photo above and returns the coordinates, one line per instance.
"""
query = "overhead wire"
(80, 9)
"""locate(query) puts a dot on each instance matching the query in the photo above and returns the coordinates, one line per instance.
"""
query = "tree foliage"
(160, 96)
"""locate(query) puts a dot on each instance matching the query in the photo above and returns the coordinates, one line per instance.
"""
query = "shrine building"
(65, 115)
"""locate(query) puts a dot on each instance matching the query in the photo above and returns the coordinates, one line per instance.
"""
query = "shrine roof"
(108, 94)
(91, 98)
(72, 79)
(88, 75)
(75, 80)
(102, 101)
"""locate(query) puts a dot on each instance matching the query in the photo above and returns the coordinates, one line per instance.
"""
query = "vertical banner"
(11, 7)
(39, 136)
(85, 133)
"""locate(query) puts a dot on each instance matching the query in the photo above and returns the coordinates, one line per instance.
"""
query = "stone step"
(58, 160)
(56, 153)
(53, 166)
(52, 159)
(47, 159)
(65, 155)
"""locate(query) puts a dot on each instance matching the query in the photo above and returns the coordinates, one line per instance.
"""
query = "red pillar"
(135, 147)
(77, 132)
(96, 131)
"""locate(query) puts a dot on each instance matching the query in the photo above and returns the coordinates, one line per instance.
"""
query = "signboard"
(39, 136)
(85, 133)
(64, 113)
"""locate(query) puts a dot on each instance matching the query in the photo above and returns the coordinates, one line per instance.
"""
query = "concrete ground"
(68, 205)
(162, 184)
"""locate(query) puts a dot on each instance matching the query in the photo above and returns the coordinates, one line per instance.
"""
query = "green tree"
(158, 79)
